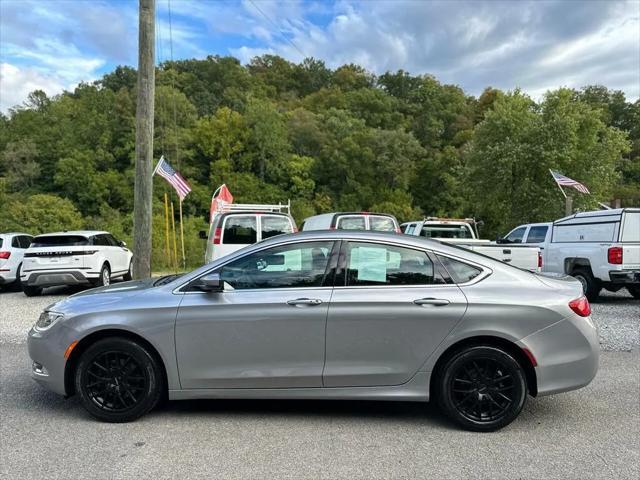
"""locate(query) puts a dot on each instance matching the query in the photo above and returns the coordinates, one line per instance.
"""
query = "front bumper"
(47, 356)
(625, 276)
(50, 278)
(567, 353)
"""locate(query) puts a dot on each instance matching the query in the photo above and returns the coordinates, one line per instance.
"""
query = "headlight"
(47, 319)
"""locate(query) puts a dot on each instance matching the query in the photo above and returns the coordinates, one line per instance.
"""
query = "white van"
(245, 224)
(600, 248)
(381, 222)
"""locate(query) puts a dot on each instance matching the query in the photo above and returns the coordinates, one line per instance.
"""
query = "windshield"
(60, 241)
(446, 231)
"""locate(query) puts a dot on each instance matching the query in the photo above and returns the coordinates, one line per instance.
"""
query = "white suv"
(74, 258)
(12, 248)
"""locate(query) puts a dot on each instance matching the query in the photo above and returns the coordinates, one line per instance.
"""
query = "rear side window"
(240, 230)
(537, 234)
(60, 241)
(382, 224)
(460, 272)
(100, 240)
(275, 225)
(376, 264)
(351, 223)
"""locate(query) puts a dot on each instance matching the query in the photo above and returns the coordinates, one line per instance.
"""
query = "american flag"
(568, 182)
(174, 178)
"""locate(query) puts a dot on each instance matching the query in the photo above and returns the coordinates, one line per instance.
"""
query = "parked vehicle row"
(91, 258)
(601, 249)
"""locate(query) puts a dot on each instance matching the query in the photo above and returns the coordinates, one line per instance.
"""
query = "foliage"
(326, 139)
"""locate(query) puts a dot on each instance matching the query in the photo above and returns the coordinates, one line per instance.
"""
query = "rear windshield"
(382, 224)
(446, 231)
(351, 223)
(59, 241)
(275, 225)
(240, 230)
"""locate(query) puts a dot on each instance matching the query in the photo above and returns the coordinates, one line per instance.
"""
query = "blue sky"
(534, 45)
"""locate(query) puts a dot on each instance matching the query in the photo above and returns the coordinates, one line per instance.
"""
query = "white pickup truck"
(463, 233)
(599, 248)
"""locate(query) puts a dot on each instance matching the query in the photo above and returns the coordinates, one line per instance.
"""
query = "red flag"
(221, 199)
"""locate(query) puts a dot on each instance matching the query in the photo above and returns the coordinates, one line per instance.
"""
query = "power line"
(278, 28)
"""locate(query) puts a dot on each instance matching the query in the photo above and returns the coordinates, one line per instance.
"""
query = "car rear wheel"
(634, 290)
(105, 277)
(482, 388)
(31, 291)
(118, 380)
(590, 286)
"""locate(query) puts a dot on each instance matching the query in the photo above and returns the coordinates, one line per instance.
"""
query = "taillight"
(217, 235)
(581, 306)
(614, 255)
(539, 259)
(5, 255)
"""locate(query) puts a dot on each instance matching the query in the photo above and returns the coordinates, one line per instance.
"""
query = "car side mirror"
(122, 243)
(203, 234)
(209, 283)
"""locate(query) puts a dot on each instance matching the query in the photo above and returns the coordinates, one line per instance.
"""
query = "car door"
(391, 307)
(120, 254)
(266, 328)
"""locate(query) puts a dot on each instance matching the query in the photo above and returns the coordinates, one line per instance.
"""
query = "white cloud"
(16, 83)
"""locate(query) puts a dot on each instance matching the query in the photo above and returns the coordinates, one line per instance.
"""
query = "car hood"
(102, 296)
(564, 284)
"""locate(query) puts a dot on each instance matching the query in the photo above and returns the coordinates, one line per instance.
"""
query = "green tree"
(40, 213)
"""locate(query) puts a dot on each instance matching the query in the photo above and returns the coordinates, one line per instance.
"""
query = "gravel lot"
(589, 433)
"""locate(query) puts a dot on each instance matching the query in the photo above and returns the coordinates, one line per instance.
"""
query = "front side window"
(351, 223)
(370, 264)
(537, 234)
(382, 224)
(240, 230)
(275, 225)
(460, 272)
(516, 236)
(285, 266)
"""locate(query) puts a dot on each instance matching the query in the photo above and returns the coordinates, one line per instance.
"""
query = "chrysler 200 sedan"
(324, 315)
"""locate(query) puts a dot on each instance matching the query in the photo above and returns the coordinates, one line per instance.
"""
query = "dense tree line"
(329, 140)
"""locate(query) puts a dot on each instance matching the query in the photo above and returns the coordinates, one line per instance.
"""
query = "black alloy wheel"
(482, 388)
(118, 380)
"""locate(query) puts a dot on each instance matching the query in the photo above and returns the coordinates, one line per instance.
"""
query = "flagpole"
(184, 260)
(554, 179)
(167, 245)
(175, 245)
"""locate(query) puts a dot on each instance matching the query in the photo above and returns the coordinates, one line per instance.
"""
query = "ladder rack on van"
(257, 207)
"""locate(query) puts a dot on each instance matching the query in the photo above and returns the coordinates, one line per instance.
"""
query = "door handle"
(438, 302)
(304, 301)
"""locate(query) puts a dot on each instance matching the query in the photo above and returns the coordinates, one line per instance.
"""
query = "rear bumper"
(49, 278)
(567, 353)
(624, 276)
(7, 275)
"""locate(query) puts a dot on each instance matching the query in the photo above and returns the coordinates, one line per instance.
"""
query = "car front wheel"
(118, 380)
(482, 388)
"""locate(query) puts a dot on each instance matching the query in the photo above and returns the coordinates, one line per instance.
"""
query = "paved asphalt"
(589, 433)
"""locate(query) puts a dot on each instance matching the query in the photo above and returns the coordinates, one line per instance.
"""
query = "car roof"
(13, 234)
(80, 233)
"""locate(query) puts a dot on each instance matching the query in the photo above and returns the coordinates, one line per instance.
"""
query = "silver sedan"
(324, 315)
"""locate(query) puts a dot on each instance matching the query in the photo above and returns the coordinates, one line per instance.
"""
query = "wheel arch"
(86, 342)
(487, 340)
(572, 264)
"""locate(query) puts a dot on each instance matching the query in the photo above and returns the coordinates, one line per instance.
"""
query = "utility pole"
(144, 142)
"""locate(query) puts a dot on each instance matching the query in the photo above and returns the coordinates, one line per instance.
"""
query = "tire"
(634, 290)
(17, 284)
(127, 276)
(590, 286)
(481, 388)
(118, 380)
(31, 291)
(104, 279)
